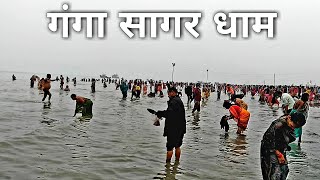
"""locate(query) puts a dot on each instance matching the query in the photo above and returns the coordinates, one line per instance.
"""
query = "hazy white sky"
(27, 44)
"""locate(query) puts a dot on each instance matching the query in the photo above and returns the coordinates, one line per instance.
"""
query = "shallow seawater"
(43, 141)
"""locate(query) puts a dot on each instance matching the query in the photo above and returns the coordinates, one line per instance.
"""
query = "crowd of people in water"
(293, 100)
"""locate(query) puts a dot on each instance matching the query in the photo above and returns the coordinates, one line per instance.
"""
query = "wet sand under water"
(43, 141)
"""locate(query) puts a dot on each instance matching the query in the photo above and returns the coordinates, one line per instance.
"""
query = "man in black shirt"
(175, 124)
(188, 91)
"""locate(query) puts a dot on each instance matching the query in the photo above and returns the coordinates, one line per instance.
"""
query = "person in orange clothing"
(239, 114)
(82, 103)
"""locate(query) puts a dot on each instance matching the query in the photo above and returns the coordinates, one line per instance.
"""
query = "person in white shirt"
(288, 101)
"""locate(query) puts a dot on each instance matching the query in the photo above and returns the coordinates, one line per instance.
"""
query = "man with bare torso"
(46, 85)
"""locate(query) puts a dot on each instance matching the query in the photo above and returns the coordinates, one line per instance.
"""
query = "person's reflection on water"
(170, 172)
(195, 121)
(240, 145)
(45, 112)
(46, 105)
(234, 150)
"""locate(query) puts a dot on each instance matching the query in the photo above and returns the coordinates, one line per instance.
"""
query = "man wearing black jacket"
(188, 91)
(175, 124)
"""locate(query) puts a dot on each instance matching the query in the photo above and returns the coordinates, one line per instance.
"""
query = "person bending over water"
(82, 103)
(239, 114)
(275, 142)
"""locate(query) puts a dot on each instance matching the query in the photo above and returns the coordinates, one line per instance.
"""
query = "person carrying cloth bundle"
(239, 114)
(84, 104)
(175, 124)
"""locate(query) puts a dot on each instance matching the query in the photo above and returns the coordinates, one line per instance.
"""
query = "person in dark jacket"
(175, 124)
(188, 92)
(275, 142)
(124, 89)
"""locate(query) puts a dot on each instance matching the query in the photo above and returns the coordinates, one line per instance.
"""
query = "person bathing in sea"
(46, 86)
(82, 103)
(275, 143)
(239, 114)
(67, 88)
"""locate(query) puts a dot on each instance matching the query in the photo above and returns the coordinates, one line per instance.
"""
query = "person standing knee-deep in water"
(93, 85)
(219, 89)
(197, 98)
(82, 103)
(46, 87)
(239, 114)
(133, 91)
(301, 106)
(32, 80)
(175, 124)
(124, 90)
(61, 81)
(188, 92)
(14, 77)
(138, 90)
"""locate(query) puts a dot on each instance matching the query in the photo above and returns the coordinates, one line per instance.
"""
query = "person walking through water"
(82, 103)
(197, 98)
(124, 89)
(175, 124)
(275, 142)
(46, 86)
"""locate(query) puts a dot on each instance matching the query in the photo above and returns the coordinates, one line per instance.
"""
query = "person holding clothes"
(275, 142)
(239, 114)
(175, 124)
